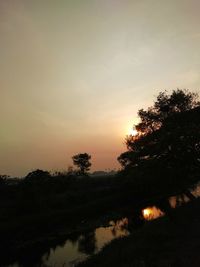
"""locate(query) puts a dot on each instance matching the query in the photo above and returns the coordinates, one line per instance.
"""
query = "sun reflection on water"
(151, 213)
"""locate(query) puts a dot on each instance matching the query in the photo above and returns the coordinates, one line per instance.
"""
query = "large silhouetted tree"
(82, 161)
(165, 154)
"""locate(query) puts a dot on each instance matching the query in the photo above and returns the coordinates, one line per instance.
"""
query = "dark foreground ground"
(35, 213)
(161, 243)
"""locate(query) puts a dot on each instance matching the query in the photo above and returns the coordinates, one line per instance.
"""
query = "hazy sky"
(73, 74)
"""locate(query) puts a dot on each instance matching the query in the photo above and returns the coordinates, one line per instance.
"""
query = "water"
(151, 213)
(87, 244)
(76, 248)
(68, 252)
(179, 200)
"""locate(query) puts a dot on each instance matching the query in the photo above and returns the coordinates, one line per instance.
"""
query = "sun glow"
(146, 213)
(133, 132)
(151, 213)
(130, 127)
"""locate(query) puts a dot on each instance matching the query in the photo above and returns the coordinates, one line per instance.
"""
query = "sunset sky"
(73, 74)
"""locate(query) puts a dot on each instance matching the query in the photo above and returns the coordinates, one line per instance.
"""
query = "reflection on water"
(76, 248)
(196, 191)
(151, 213)
(86, 244)
(79, 246)
(179, 200)
(154, 212)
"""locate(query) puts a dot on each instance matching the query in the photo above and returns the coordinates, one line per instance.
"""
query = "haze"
(73, 74)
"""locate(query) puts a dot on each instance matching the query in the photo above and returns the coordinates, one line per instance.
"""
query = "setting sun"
(133, 132)
(100, 133)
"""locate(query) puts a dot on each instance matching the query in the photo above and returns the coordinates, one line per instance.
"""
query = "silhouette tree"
(37, 176)
(3, 179)
(70, 171)
(82, 161)
(165, 106)
(164, 155)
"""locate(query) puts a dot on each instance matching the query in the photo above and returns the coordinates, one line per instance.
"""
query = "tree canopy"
(37, 176)
(166, 150)
(82, 161)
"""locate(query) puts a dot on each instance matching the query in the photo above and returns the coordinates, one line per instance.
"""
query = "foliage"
(82, 161)
(37, 176)
(165, 106)
(167, 146)
(3, 179)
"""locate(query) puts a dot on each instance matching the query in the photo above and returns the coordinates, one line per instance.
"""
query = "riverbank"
(159, 243)
(37, 213)
(37, 216)
(35, 236)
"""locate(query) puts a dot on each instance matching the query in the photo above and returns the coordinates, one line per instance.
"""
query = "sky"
(73, 74)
